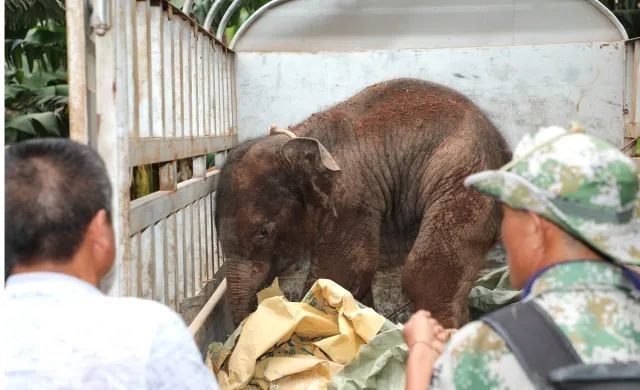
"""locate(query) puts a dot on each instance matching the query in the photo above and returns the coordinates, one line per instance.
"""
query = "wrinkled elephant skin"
(374, 181)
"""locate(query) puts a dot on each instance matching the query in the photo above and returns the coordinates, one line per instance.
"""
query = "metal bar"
(208, 21)
(149, 209)
(147, 257)
(159, 274)
(186, 83)
(180, 279)
(77, 68)
(170, 261)
(144, 151)
(156, 63)
(178, 64)
(197, 259)
(111, 131)
(200, 84)
(168, 75)
(191, 291)
(225, 18)
(131, 73)
(207, 309)
(143, 86)
(193, 78)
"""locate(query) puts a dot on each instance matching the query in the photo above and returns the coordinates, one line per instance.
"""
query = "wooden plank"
(150, 150)
(150, 209)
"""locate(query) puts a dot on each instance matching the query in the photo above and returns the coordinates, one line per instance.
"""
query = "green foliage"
(201, 8)
(21, 15)
(36, 91)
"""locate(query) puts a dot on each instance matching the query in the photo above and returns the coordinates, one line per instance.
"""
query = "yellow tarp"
(287, 345)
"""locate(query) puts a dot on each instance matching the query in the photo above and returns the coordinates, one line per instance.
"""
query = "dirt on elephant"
(370, 190)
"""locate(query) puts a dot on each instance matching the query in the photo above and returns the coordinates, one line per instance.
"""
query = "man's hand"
(424, 329)
(425, 338)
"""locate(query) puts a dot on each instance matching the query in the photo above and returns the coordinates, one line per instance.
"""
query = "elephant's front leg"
(347, 253)
(455, 234)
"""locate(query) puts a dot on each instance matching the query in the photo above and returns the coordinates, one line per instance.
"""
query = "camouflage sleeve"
(477, 358)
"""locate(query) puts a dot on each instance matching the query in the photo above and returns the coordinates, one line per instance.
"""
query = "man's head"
(57, 209)
(565, 196)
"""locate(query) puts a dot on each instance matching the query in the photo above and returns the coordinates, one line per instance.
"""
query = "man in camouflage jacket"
(571, 228)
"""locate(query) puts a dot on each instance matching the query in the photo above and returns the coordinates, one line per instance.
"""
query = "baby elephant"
(374, 181)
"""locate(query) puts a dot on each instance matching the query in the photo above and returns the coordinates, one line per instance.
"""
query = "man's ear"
(536, 229)
(101, 237)
(313, 167)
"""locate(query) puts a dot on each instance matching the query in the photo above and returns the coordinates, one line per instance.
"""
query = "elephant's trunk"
(244, 279)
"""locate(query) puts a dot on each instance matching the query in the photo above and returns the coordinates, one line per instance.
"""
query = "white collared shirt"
(63, 333)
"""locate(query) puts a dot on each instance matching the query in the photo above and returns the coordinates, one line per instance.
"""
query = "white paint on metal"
(159, 273)
(207, 309)
(156, 64)
(169, 76)
(172, 262)
(519, 88)
(187, 55)
(147, 256)
(226, 17)
(356, 25)
(76, 63)
(143, 87)
(129, 59)
(213, 11)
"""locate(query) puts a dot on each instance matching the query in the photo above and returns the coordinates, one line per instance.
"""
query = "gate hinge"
(100, 16)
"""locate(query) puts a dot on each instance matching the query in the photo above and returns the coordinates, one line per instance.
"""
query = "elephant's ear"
(314, 167)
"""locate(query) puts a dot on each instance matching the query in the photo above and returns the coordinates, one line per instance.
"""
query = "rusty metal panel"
(159, 275)
(195, 236)
(519, 88)
(147, 256)
(172, 262)
(149, 209)
(190, 274)
(155, 150)
(168, 73)
(76, 65)
(193, 79)
(181, 257)
(143, 86)
(155, 102)
(156, 63)
(187, 55)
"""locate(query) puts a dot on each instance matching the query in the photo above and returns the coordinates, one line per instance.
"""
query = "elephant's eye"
(264, 231)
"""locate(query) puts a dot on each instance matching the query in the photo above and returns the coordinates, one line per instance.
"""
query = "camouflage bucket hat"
(579, 182)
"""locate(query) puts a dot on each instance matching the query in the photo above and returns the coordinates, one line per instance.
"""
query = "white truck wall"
(519, 87)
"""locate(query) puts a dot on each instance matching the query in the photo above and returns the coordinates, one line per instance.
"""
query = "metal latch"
(100, 16)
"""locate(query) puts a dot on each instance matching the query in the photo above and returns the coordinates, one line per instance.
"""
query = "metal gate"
(158, 88)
